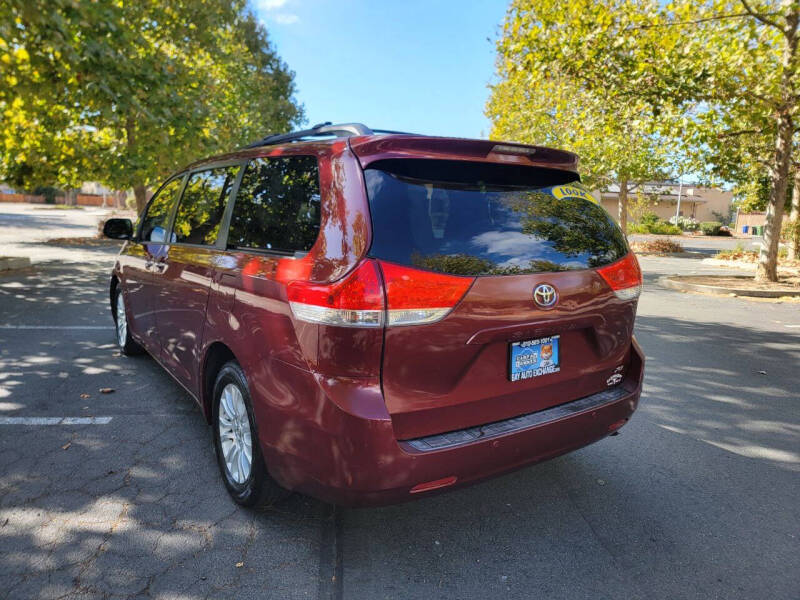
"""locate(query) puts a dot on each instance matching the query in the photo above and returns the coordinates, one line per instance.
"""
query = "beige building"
(698, 202)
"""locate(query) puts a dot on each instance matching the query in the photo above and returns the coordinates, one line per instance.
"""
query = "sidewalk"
(24, 229)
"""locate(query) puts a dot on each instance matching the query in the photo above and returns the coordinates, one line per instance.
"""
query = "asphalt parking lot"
(117, 495)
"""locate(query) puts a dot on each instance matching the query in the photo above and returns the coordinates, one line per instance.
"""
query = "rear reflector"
(414, 297)
(624, 277)
(617, 425)
(434, 485)
(354, 301)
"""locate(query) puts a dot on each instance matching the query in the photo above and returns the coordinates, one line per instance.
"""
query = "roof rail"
(318, 130)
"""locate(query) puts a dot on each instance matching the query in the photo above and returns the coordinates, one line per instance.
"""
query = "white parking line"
(55, 420)
(108, 327)
(793, 326)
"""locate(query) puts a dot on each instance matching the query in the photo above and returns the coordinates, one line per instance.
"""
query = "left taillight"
(354, 301)
(624, 277)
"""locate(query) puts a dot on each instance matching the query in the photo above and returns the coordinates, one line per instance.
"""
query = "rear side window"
(202, 205)
(467, 218)
(156, 219)
(277, 206)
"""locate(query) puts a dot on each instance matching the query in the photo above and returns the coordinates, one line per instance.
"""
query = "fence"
(752, 223)
(29, 198)
(116, 200)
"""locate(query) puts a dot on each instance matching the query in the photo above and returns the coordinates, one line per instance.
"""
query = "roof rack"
(320, 130)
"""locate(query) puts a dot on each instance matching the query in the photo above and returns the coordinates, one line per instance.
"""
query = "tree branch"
(690, 22)
(761, 17)
(738, 133)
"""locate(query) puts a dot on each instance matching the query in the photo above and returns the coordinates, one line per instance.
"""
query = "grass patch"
(751, 256)
(59, 207)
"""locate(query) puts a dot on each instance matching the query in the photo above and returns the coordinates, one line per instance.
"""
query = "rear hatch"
(500, 291)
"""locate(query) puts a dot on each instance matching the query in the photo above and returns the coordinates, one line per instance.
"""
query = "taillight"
(354, 301)
(624, 277)
(414, 297)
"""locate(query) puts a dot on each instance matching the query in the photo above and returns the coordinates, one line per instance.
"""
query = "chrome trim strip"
(459, 437)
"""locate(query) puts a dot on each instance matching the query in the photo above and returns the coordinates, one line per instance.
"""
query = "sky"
(407, 65)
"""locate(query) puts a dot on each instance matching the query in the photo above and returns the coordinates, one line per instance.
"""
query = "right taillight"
(624, 277)
(414, 297)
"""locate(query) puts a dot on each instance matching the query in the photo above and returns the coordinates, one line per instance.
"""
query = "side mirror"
(118, 229)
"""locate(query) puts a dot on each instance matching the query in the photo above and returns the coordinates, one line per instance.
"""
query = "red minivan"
(369, 316)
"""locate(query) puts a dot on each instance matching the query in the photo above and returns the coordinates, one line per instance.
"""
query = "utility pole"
(680, 192)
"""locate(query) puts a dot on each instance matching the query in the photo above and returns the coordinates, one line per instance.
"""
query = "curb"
(674, 282)
(8, 263)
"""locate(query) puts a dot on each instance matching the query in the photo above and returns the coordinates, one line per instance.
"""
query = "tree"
(124, 93)
(742, 56)
(793, 225)
(553, 89)
(721, 76)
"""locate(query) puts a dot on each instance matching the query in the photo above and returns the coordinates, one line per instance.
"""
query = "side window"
(156, 219)
(202, 205)
(277, 206)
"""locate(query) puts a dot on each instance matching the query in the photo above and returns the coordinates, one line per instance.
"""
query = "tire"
(236, 435)
(126, 343)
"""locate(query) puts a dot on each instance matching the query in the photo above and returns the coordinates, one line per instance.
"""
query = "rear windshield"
(468, 218)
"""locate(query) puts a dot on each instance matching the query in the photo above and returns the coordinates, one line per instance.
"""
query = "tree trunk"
(794, 217)
(768, 257)
(622, 206)
(71, 197)
(140, 191)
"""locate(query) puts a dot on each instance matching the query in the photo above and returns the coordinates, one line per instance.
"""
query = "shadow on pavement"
(705, 380)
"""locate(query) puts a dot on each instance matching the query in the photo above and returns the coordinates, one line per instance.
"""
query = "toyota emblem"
(545, 295)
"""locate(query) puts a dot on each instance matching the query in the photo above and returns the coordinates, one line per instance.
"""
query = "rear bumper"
(360, 463)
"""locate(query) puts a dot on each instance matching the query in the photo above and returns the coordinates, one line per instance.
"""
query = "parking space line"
(77, 327)
(55, 420)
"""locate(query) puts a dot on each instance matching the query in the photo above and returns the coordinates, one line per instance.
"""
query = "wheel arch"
(112, 292)
(217, 354)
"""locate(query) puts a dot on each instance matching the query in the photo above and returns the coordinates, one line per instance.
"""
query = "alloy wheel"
(122, 321)
(234, 434)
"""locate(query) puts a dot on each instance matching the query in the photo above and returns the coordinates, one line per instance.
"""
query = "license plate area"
(534, 358)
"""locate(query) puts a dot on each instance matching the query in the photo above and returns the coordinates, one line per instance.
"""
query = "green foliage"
(658, 228)
(710, 227)
(649, 219)
(791, 230)
(613, 79)
(125, 92)
(553, 88)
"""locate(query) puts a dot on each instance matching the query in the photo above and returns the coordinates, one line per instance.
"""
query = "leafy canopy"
(555, 87)
(125, 92)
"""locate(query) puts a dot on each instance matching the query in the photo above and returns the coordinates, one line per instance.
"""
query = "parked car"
(368, 317)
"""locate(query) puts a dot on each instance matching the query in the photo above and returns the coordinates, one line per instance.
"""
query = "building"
(701, 203)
